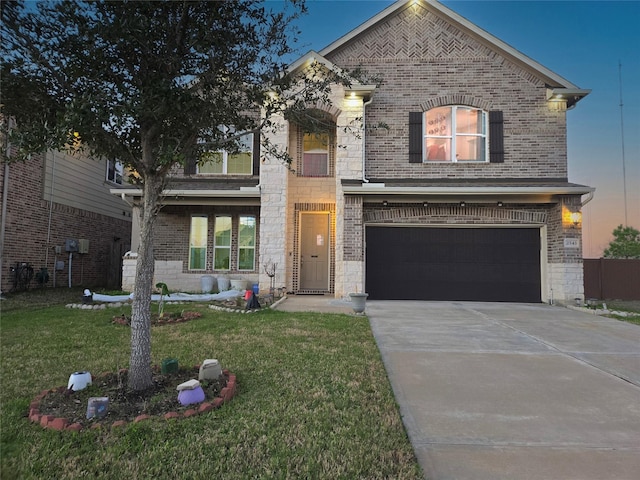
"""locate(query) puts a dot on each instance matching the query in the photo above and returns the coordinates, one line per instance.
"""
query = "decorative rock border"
(105, 305)
(601, 311)
(222, 308)
(97, 306)
(62, 424)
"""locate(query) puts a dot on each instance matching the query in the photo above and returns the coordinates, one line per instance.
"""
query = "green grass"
(314, 400)
(630, 306)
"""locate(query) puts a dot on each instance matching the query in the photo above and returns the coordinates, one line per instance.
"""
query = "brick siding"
(438, 64)
(27, 232)
(174, 225)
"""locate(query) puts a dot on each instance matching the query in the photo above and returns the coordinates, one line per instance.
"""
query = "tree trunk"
(140, 376)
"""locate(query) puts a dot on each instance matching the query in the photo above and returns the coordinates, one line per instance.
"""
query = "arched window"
(455, 134)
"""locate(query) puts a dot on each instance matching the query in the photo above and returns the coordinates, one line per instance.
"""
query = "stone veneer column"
(273, 215)
(565, 270)
(348, 273)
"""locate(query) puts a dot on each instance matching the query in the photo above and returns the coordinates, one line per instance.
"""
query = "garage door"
(473, 264)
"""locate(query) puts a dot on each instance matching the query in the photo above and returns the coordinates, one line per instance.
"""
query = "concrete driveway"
(513, 391)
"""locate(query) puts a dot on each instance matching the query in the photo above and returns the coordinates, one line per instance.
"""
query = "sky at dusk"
(582, 41)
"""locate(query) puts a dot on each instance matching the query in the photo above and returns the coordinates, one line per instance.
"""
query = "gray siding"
(80, 182)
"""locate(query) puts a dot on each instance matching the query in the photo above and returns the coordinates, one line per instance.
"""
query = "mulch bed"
(62, 409)
(166, 319)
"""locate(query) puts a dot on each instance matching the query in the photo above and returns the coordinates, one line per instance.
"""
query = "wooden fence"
(612, 278)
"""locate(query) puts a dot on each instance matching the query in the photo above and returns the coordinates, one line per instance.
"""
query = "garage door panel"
(475, 264)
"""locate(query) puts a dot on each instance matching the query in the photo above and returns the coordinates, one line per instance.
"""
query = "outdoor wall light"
(385, 203)
(425, 204)
(463, 204)
(500, 204)
(576, 218)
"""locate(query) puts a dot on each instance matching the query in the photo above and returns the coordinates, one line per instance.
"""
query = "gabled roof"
(551, 78)
(313, 56)
(310, 57)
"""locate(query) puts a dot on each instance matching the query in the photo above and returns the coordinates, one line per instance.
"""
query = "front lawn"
(313, 399)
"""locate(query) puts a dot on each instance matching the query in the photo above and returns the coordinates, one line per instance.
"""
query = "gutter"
(381, 189)
(589, 198)
(243, 192)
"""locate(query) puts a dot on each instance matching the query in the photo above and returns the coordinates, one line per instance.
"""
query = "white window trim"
(240, 247)
(225, 156)
(485, 135)
(206, 243)
(223, 247)
(118, 169)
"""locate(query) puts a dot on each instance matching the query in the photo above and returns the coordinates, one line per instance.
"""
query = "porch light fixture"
(500, 204)
(576, 218)
(463, 204)
(385, 203)
(565, 98)
(425, 204)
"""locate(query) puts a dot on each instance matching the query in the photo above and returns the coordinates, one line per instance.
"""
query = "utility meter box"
(83, 245)
(71, 245)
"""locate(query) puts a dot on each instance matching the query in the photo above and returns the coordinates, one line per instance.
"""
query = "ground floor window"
(222, 243)
(233, 245)
(246, 243)
(198, 243)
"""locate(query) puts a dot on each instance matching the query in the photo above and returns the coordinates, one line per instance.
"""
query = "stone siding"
(274, 228)
(174, 275)
(285, 194)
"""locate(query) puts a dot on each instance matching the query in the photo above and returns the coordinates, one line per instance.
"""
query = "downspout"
(124, 199)
(5, 198)
(364, 136)
(53, 182)
(70, 261)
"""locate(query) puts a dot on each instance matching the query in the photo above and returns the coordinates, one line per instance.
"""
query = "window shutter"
(190, 166)
(496, 137)
(415, 137)
(256, 152)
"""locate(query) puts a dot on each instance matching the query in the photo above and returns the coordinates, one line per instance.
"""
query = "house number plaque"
(571, 243)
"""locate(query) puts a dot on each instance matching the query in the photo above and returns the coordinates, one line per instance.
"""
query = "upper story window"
(312, 143)
(455, 134)
(223, 162)
(315, 154)
(115, 171)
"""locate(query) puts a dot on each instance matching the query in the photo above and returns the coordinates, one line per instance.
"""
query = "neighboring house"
(58, 215)
(463, 196)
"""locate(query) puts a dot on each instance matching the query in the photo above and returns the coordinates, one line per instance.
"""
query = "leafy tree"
(149, 84)
(625, 243)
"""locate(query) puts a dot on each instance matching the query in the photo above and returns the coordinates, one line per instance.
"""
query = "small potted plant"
(358, 301)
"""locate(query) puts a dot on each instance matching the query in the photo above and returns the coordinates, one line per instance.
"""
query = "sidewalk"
(314, 303)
